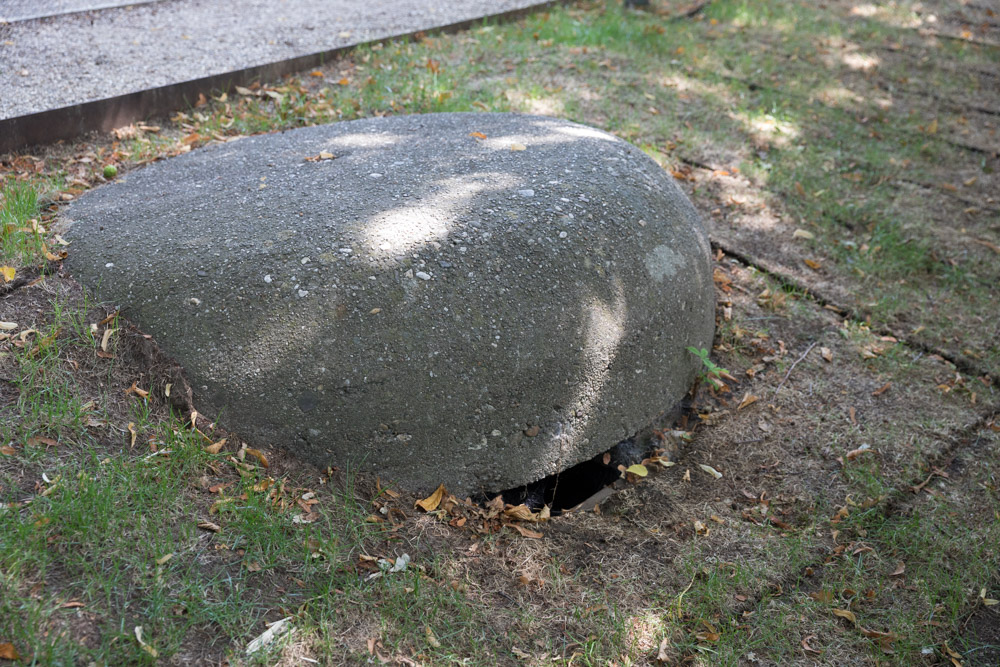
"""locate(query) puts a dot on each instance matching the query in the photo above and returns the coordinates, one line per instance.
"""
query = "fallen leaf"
(39, 440)
(881, 390)
(932, 128)
(822, 596)
(637, 469)
(8, 326)
(826, 354)
(521, 513)
(876, 634)
(316, 73)
(806, 647)
(855, 453)
(992, 246)
(8, 450)
(215, 447)
(662, 654)
(259, 455)
(142, 393)
(844, 613)
(710, 634)
(700, 528)
(477, 135)
(687, 475)
(431, 502)
(211, 527)
(431, 639)
(803, 234)
(106, 337)
(274, 630)
(518, 147)
(900, 569)
(812, 264)
(775, 521)
(138, 629)
(131, 429)
(526, 532)
(748, 399)
(710, 470)
(8, 273)
(8, 652)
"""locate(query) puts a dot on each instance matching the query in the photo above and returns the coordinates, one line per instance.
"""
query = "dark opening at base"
(568, 489)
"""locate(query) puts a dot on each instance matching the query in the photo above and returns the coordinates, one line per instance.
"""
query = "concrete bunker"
(479, 300)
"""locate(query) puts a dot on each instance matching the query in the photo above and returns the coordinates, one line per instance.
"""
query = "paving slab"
(26, 10)
(77, 59)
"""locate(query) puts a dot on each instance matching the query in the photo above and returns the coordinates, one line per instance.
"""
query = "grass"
(21, 243)
(851, 128)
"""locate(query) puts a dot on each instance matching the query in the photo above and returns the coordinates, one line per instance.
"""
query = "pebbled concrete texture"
(27, 10)
(437, 307)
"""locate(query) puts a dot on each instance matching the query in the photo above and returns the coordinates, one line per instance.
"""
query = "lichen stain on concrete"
(664, 262)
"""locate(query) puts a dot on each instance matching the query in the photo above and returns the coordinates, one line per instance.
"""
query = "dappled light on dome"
(431, 219)
(605, 328)
(585, 133)
(365, 140)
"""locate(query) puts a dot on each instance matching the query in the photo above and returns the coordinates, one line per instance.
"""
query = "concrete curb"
(70, 122)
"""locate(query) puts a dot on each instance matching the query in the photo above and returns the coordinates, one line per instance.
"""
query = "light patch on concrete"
(664, 262)
(402, 229)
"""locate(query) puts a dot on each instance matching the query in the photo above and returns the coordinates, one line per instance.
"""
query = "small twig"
(785, 379)
(696, 8)
(46, 269)
(936, 471)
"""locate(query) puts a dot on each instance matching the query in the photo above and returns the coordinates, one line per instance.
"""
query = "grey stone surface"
(422, 301)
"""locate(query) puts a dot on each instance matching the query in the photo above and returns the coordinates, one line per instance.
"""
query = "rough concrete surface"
(55, 62)
(26, 10)
(429, 304)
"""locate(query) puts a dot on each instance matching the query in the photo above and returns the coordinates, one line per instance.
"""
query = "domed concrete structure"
(478, 300)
